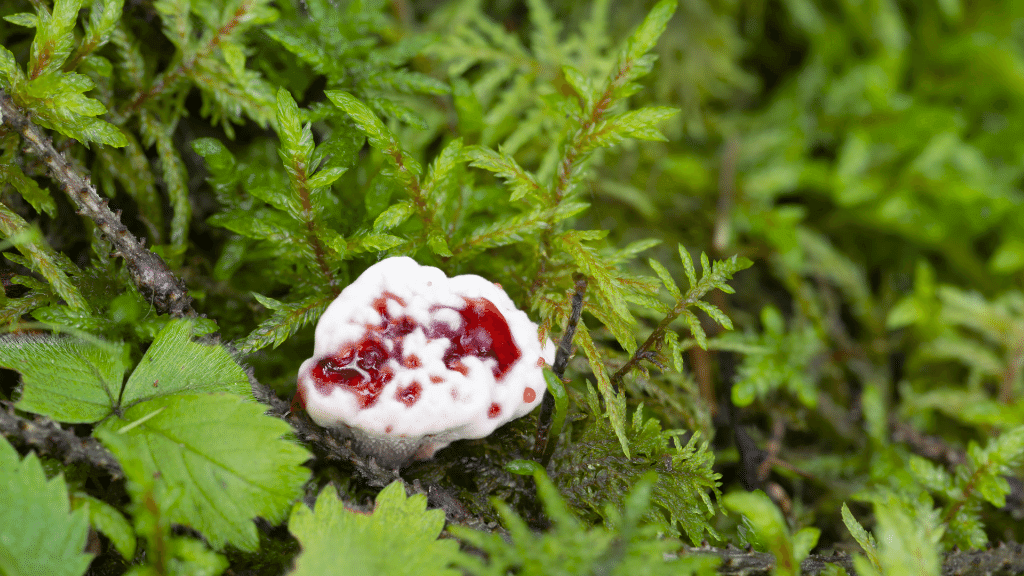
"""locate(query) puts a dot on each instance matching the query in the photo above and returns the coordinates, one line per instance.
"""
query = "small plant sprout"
(408, 360)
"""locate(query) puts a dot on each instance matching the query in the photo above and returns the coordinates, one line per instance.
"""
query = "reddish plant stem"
(184, 68)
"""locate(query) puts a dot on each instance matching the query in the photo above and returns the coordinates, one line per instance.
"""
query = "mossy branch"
(47, 437)
(147, 270)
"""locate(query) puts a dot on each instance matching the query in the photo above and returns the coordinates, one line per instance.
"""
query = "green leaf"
(615, 402)
(684, 257)
(65, 378)
(666, 279)
(214, 461)
(39, 534)
(379, 242)
(29, 189)
(287, 319)
(505, 167)
(394, 215)
(108, 520)
(326, 177)
(175, 364)
(441, 168)
(908, 542)
(43, 259)
(438, 245)
(866, 541)
(400, 537)
(770, 529)
(377, 133)
(647, 34)
(639, 124)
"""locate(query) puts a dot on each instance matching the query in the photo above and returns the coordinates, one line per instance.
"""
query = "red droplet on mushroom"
(436, 379)
(410, 394)
(529, 395)
(494, 411)
(411, 361)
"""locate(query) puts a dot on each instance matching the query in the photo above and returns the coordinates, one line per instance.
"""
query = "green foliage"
(767, 531)
(398, 537)
(980, 479)
(75, 380)
(630, 544)
(109, 521)
(216, 457)
(36, 511)
(905, 541)
(49, 87)
(270, 151)
(775, 360)
(593, 473)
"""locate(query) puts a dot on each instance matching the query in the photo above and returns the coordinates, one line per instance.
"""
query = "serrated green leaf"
(395, 215)
(684, 257)
(29, 189)
(440, 169)
(10, 72)
(377, 133)
(295, 143)
(771, 530)
(638, 124)
(234, 57)
(213, 461)
(36, 518)
(695, 328)
(108, 520)
(176, 364)
(399, 538)
(67, 379)
(615, 402)
(505, 167)
(438, 245)
(866, 540)
(326, 177)
(40, 256)
(907, 545)
(715, 314)
(666, 278)
(646, 35)
(26, 19)
(285, 321)
(379, 242)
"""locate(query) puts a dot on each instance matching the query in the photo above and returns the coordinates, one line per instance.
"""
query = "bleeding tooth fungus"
(408, 360)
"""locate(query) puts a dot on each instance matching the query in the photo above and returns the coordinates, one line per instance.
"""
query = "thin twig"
(47, 437)
(544, 443)
(148, 271)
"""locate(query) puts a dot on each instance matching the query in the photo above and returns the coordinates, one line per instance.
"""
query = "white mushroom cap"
(409, 360)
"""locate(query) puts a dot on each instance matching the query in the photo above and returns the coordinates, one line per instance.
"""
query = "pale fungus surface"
(407, 360)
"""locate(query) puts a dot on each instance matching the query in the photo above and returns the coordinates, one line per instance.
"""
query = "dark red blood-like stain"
(331, 372)
(410, 394)
(493, 411)
(529, 395)
(483, 333)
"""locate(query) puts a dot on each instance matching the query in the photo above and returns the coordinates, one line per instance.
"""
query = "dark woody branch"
(148, 271)
(48, 437)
